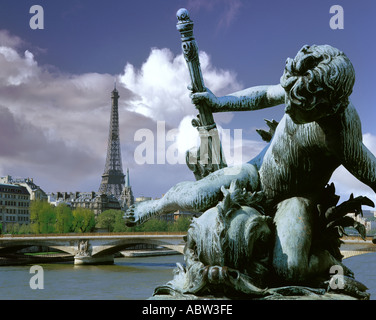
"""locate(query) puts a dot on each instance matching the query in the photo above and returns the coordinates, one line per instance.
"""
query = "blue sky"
(55, 83)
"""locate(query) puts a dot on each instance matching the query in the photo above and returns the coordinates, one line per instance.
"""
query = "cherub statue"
(319, 131)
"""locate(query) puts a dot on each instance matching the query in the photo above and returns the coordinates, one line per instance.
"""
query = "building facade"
(88, 200)
(14, 205)
(368, 219)
(36, 193)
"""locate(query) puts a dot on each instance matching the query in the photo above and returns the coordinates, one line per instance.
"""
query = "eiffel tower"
(113, 176)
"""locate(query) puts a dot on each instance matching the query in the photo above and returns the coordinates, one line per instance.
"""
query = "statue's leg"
(293, 260)
(195, 196)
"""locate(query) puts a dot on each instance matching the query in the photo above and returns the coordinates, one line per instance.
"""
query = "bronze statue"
(319, 131)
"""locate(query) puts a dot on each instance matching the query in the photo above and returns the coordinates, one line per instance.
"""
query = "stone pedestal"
(85, 260)
(326, 296)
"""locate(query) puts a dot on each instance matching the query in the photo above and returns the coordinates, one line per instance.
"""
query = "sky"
(56, 82)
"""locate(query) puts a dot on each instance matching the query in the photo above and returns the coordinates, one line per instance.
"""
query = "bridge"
(95, 248)
(354, 246)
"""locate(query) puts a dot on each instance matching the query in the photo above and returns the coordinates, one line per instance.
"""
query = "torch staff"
(210, 154)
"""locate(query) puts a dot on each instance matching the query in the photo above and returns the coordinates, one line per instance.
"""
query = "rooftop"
(10, 188)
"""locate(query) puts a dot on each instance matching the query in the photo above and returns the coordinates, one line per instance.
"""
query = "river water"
(128, 278)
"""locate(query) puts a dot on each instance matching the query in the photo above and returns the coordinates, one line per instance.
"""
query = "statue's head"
(318, 83)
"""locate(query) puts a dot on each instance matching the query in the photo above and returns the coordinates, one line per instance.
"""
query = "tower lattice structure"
(113, 176)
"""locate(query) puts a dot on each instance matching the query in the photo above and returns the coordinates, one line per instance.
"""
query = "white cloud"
(160, 86)
(188, 137)
(8, 40)
(160, 92)
(16, 69)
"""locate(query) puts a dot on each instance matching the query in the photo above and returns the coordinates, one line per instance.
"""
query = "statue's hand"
(129, 217)
(140, 212)
(208, 97)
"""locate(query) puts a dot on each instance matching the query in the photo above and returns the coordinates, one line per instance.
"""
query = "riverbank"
(16, 259)
(148, 253)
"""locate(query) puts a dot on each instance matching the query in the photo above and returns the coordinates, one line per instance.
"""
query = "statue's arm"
(357, 158)
(363, 165)
(253, 98)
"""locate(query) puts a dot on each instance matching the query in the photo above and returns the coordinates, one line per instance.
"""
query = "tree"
(181, 224)
(155, 225)
(24, 228)
(35, 208)
(64, 218)
(13, 228)
(83, 220)
(119, 225)
(42, 216)
(112, 220)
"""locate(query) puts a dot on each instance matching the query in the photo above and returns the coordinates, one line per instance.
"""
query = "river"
(128, 278)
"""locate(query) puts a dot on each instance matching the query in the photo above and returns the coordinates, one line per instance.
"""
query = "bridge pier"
(89, 260)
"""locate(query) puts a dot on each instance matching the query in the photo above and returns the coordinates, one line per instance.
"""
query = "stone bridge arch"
(120, 245)
(93, 248)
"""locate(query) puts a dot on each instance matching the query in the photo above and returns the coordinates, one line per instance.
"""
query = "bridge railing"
(96, 234)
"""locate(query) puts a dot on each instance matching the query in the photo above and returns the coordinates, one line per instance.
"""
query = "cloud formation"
(51, 123)
(160, 86)
(160, 92)
(54, 126)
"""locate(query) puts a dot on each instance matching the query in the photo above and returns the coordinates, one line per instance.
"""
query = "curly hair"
(319, 77)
